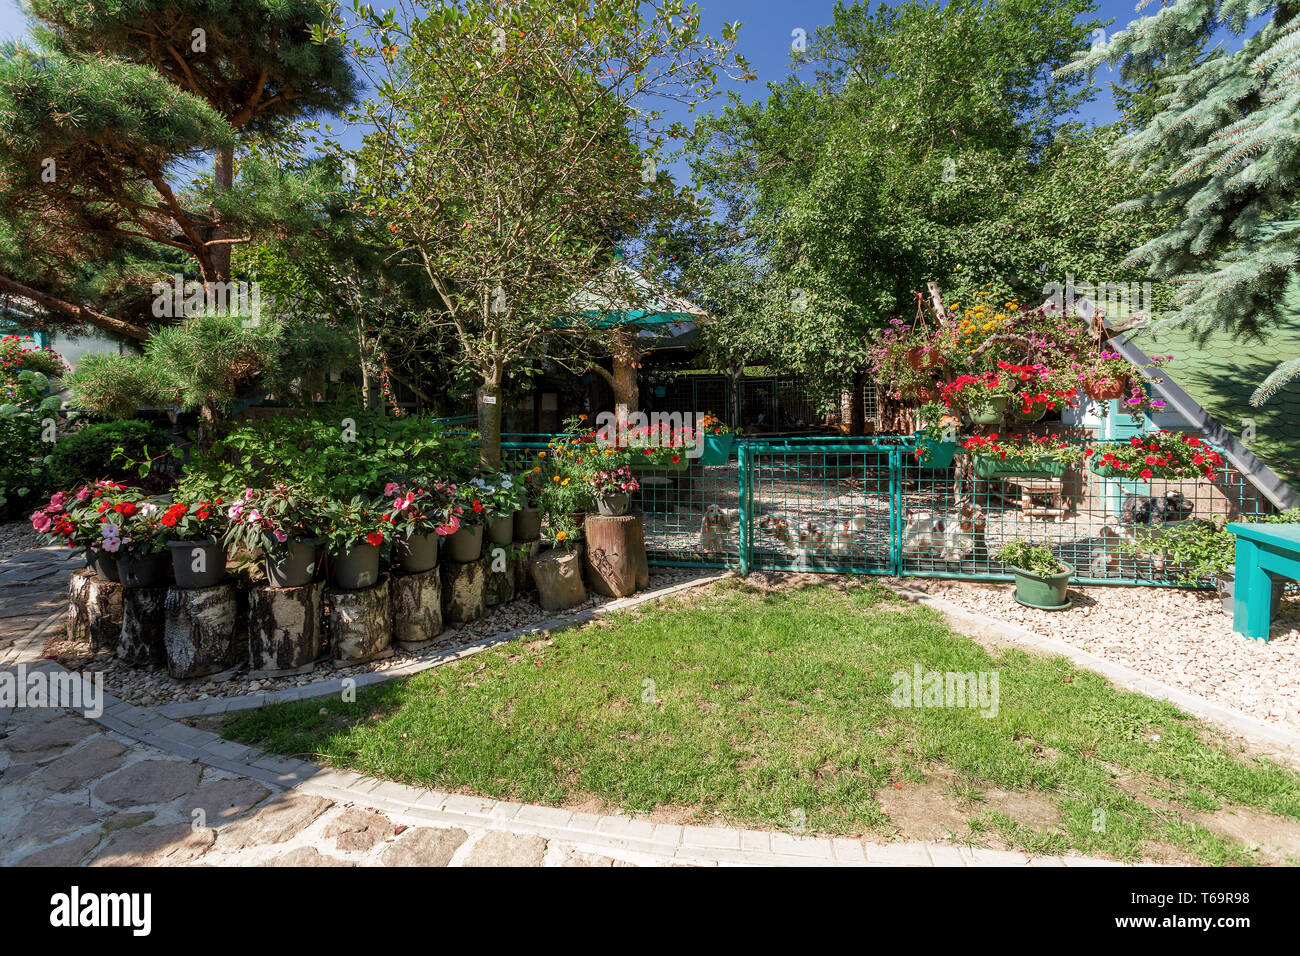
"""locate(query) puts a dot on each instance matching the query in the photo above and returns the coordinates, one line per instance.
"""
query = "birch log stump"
(143, 624)
(284, 628)
(199, 630)
(94, 610)
(558, 575)
(499, 575)
(463, 591)
(615, 559)
(360, 623)
(527, 552)
(417, 607)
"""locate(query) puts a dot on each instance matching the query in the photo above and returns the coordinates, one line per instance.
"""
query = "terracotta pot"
(1104, 389)
(926, 393)
(922, 357)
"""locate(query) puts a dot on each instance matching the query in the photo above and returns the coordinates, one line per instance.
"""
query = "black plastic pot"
(502, 530)
(466, 544)
(104, 564)
(528, 524)
(416, 553)
(143, 571)
(356, 568)
(613, 505)
(293, 567)
(197, 564)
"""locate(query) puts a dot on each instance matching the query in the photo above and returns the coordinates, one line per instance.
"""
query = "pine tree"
(1223, 153)
(102, 124)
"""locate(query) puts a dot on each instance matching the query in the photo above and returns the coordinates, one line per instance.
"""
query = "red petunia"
(1146, 473)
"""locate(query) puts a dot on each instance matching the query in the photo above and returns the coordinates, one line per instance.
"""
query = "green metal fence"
(869, 507)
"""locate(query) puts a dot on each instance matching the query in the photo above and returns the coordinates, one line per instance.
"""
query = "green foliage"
(26, 416)
(1034, 558)
(336, 454)
(86, 454)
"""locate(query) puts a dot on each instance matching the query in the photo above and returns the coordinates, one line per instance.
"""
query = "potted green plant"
(983, 397)
(283, 524)
(74, 519)
(418, 516)
(528, 517)
(465, 543)
(936, 436)
(134, 532)
(613, 489)
(354, 533)
(1021, 456)
(500, 496)
(718, 440)
(194, 524)
(1041, 578)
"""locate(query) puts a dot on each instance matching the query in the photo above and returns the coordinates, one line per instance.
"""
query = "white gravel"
(151, 686)
(1178, 637)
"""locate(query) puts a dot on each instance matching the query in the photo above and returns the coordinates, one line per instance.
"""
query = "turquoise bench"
(1263, 550)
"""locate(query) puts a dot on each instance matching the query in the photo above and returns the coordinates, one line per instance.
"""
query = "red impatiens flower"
(1146, 473)
(375, 538)
(478, 506)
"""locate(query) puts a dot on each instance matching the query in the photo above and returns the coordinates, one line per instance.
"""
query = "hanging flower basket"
(940, 453)
(923, 357)
(989, 411)
(1104, 389)
(717, 449)
(987, 466)
(1035, 413)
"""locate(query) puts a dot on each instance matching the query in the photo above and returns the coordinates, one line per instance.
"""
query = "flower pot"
(466, 544)
(104, 563)
(356, 568)
(942, 453)
(988, 412)
(1045, 592)
(502, 530)
(197, 564)
(528, 524)
(611, 506)
(926, 393)
(1104, 389)
(143, 571)
(988, 466)
(717, 449)
(922, 357)
(293, 567)
(640, 462)
(1224, 584)
(1036, 412)
(416, 552)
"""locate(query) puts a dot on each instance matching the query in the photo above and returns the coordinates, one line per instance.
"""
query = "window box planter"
(1045, 592)
(197, 564)
(717, 449)
(987, 466)
(642, 463)
(988, 412)
(294, 567)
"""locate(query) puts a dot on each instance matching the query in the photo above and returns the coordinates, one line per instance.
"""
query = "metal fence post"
(746, 501)
(895, 512)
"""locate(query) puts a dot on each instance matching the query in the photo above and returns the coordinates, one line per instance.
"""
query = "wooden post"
(417, 607)
(141, 639)
(558, 575)
(94, 610)
(360, 623)
(199, 630)
(615, 558)
(284, 628)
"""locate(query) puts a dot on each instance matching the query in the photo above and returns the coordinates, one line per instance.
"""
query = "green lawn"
(768, 708)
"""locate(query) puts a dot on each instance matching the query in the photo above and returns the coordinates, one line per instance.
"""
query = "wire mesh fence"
(850, 506)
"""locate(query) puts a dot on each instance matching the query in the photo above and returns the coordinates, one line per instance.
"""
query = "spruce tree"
(1222, 152)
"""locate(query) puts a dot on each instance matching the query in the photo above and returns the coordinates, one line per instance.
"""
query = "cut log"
(284, 628)
(143, 624)
(614, 558)
(499, 575)
(200, 633)
(417, 606)
(558, 575)
(360, 623)
(94, 610)
(463, 587)
(527, 551)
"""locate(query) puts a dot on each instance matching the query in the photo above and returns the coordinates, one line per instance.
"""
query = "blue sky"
(764, 39)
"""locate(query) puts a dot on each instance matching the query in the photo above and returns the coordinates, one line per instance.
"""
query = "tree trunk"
(360, 623)
(499, 586)
(615, 558)
(200, 630)
(284, 627)
(417, 606)
(558, 575)
(141, 641)
(94, 610)
(463, 586)
(489, 425)
(223, 178)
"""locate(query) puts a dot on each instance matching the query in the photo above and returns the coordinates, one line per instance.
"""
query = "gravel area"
(16, 536)
(1181, 638)
(150, 686)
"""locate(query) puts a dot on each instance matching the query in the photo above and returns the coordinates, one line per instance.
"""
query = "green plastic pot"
(1045, 592)
(416, 553)
(197, 564)
(942, 453)
(717, 449)
(988, 412)
(466, 544)
(1036, 411)
(356, 568)
(987, 466)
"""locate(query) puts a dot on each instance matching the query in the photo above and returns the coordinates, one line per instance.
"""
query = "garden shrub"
(87, 454)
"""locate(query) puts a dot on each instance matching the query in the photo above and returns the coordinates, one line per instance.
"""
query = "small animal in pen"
(715, 529)
(1123, 540)
(928, 536)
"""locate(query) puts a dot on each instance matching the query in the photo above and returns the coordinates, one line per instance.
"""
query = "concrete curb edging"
(1251, 728)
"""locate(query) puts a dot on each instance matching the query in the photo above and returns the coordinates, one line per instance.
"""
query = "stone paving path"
(33, 586)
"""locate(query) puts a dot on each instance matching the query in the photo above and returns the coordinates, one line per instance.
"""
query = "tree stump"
(143, 624)
(360, 623)
(417, 607)
(499, 575)
(615, 558)
(527, 551)
(284, 628)
(94, 610)
(463, 591)
(558, 575)
(200, 633)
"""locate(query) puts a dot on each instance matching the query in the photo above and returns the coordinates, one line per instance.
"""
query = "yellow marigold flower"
(564, 482)
(537, 469)
(582, 418)
(541, 454)
(561, 535)
(555, 477)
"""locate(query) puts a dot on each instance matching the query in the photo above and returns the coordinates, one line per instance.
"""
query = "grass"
(764, 707)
